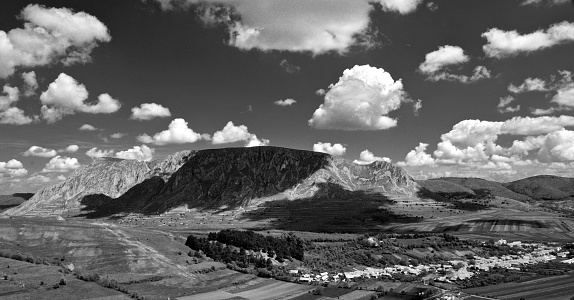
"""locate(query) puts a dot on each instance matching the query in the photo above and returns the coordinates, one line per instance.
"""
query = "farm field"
(30, 281)
(260, 290)
(547, 288)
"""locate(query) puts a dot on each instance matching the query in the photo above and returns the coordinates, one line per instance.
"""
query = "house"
(293, 271)
(305, 279)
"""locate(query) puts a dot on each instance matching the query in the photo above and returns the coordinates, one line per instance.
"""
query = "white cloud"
(417, 106)
(117, 135)
(316, 27)
(335, 149)
(15, 116)
(61, 177)
(502, 43)
(30, 83)
(65, 96)
(12, 168)
(558, 146)
(286, 102)
(503, 105)
(529, 85)
(255, 142)
(61, 164)
(72, 149)
(400, 6)
(438, 64)
(96, 153)
(177, 133)
(9, 114)
(320, 92)
(418, 157)
(39, 151)
(143, 153)
(87, 127)
(564, 97)
(50, 35)
(367, 157)
(537, 125)
(443, 57)
(231, 134)
(360, 100)
(148, 111)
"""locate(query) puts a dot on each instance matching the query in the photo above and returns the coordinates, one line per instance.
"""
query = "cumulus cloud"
(335, 149)
(61, 164)
(96, 153)
(148, 111)
(503, 105)
(286, 102)
(12, 168)
(39, 178)
(141, 153)
(316, 27)
(30, 83)
(559, 88)
(360, 100)
(231, 134)
(72, 149)
(529, 85)
(417, 106)
(367, 157)
(8, 113)
(87, 127)
(117, 135)
(178, 132)
(432, 6)
(40, 151)
(50, 35)
(65, 96)
(418, 157)
(443, 57)
(400, 6)
(255, 142)
(472, 145)
(500, 43)
(438, 64)
(320, 92)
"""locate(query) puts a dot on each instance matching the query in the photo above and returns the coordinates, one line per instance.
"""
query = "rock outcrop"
(230, 177)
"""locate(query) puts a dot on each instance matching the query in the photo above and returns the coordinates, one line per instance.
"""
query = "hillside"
(230, 177)
(544, 187)
(9, 201)
(456, 185)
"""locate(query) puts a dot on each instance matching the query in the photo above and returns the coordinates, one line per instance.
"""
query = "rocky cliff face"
(105, 176)
(229, 177)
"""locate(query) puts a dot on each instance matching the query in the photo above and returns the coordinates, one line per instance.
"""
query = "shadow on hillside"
(332, 209)
(451, 198)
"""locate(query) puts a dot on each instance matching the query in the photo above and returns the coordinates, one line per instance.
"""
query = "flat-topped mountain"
(230, 177)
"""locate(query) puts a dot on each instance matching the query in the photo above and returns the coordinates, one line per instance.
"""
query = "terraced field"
(258, 290)
(548, 288)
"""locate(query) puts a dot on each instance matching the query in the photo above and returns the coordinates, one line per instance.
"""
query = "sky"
(478, 88)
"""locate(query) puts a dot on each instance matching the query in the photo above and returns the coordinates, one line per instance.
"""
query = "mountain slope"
(105, 176)
(447, 185)
(544, 187)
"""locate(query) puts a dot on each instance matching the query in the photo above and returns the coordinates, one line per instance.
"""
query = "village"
(449, 271)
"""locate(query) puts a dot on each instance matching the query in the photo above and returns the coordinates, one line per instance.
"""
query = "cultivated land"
(548, 288)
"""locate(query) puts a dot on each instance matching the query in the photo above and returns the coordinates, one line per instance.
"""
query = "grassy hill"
(544, 187)
(7, 201)
(453, 186)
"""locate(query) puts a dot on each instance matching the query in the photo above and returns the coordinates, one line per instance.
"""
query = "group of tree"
(285, 246)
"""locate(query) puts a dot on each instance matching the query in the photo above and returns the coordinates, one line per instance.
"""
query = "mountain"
(111, 177)
(9, 201)
(229, 177)
(544, 187)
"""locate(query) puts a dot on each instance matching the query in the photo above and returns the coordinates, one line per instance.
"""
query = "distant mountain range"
(542, 187)
(230, 177)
